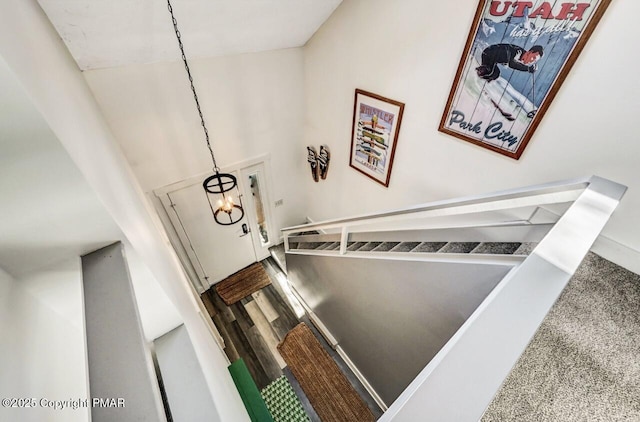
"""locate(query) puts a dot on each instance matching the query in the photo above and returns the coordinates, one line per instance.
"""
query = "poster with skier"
(374, 135)
(517, 55)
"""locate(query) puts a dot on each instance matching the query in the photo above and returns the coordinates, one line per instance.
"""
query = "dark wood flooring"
(253, 327)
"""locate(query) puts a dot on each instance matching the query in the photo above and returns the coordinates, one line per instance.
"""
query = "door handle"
(245, 230)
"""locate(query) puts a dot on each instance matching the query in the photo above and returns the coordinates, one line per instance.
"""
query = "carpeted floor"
(583, 364)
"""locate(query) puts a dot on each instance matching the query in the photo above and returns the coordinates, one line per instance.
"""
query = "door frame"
(176, 232)
(261, 251)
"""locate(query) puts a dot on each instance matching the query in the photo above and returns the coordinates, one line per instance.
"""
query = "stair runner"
(502, 248)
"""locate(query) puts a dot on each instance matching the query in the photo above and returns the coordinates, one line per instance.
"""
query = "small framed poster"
(516, 57)
(374, 136)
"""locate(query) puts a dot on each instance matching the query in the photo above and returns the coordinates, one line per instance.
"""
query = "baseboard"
(333, 343)
(324, 331)
(617, 253)
(213, 330)
(361, 378)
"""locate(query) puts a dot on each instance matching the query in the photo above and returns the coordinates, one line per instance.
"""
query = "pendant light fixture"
(217, 187)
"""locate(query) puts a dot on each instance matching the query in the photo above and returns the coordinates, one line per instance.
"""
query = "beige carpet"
(583, 364)
(243, 283)
(327, 388)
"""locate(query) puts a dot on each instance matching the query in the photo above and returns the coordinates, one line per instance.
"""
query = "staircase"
(432, 305)
(499, 248)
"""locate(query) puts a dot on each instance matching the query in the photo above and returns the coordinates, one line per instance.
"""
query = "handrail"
(526, 231)
(512, 199)
(548, 190)
(472, 365)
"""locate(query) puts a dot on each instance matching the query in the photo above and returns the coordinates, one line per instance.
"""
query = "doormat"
(243, 283)
(282, 402)
(326, 387)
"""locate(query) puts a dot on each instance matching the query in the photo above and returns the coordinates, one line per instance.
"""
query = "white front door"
(215, 251)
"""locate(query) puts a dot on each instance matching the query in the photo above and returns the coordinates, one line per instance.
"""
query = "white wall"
(6, 283)
(52, 79)
(409, 51)
(42, 335)
(41, 225)
(184, 384)
(43, 343)
(119, 358)
(252, 105)
(158, 315)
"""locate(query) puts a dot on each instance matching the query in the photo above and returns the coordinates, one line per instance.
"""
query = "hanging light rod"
(225, 212)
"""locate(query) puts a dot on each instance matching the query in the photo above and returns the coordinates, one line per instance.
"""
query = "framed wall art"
(374, 136)
(517, 55)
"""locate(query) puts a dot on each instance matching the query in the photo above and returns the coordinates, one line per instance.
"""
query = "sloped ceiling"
(114, 33)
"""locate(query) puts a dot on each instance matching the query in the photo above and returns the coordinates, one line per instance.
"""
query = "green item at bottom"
(249, 392)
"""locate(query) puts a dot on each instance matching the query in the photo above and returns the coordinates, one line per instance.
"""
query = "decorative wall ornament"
(376, 124)
(324, 157)
(312, 159)
(319, 162)
(517, 55)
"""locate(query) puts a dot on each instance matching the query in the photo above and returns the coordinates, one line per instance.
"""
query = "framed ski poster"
(517, 55)
(374, 135)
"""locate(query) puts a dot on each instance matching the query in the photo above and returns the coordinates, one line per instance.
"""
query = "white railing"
(510, 207)
(462, 378)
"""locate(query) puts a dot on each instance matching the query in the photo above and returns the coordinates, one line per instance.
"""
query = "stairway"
(378, 278)
(493, 248)
(456, 287)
